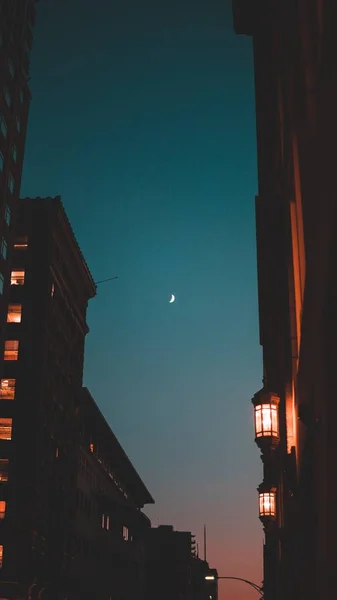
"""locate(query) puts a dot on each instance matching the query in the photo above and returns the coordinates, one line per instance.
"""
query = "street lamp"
(256, 587)
(266, 418)
(267, 502)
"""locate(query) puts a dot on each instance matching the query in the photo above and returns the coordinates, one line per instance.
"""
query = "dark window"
(18, 124)
(2, 160)
(7, 215)
(3, 126)
(1, 283)
(11, 183)
(11, 67)
(14, 153)
(3, 248)
(7, 96)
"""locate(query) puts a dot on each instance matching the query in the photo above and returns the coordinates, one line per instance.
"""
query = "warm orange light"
(266, 420)
(21, 243)
(14, 313)
(4, 470)
(266, 417)
(2, 509)
(267, 503)
(7, 389)
(17, 278)
(11, 350)
(1, 555)
(5, 428)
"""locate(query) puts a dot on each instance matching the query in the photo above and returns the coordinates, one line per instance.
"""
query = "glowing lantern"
(266, 418)
(267, 502)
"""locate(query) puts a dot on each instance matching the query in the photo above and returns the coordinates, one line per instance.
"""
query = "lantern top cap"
(267, 488)
(265, 396)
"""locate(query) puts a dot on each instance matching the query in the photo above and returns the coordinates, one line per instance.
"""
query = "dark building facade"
(173, 569)
(17, 19)
(50, 286)
(71, 523)
(109, 526)
(295, 61)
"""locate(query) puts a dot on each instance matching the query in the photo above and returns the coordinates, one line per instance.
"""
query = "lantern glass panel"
(267, 501)
(266, 420)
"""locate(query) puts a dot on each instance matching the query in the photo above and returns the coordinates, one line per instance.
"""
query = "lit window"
(14, 313)
(7, 96)
(1, 283)
(3, 248)
(11, 183)
(4, 470)
(103, 522)
(18, 124)
(92, 447)
(11, 67)
(2, 509)
(5, 429)
(1, 556)
(21, 243)
(11, 350)
(3, 126)
(107, 523)
(17, 278)
(2, 160)
(7, 389)
(14, 153)
(125, 533)
(7, 215)
(52, 292)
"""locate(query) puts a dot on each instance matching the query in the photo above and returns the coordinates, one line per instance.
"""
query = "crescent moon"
(172, 299)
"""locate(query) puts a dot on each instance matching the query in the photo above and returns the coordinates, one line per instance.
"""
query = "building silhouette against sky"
(295, 58)
(16, 37)
(70, 499)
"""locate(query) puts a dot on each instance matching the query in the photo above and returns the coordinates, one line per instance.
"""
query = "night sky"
(142, 119)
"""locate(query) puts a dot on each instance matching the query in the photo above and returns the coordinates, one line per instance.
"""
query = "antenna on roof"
(104, 280)
(205, 546)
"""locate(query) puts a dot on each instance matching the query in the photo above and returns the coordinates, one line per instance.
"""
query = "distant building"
(16, 36)
(204, 581)
(63, 476)
(173, 570)
(295, 63)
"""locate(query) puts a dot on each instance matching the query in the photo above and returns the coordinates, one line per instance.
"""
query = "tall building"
(71, 523)
(50, 285)
(16, 36)
(295, 61)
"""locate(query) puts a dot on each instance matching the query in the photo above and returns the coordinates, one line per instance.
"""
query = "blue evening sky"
(142, 119)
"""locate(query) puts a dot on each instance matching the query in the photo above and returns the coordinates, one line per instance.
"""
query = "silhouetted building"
(173, 570)
(169, 556)
(204, 580)
(16, 36)
(295, 58)
(70, 499)
(110, 528)
(43, 365)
